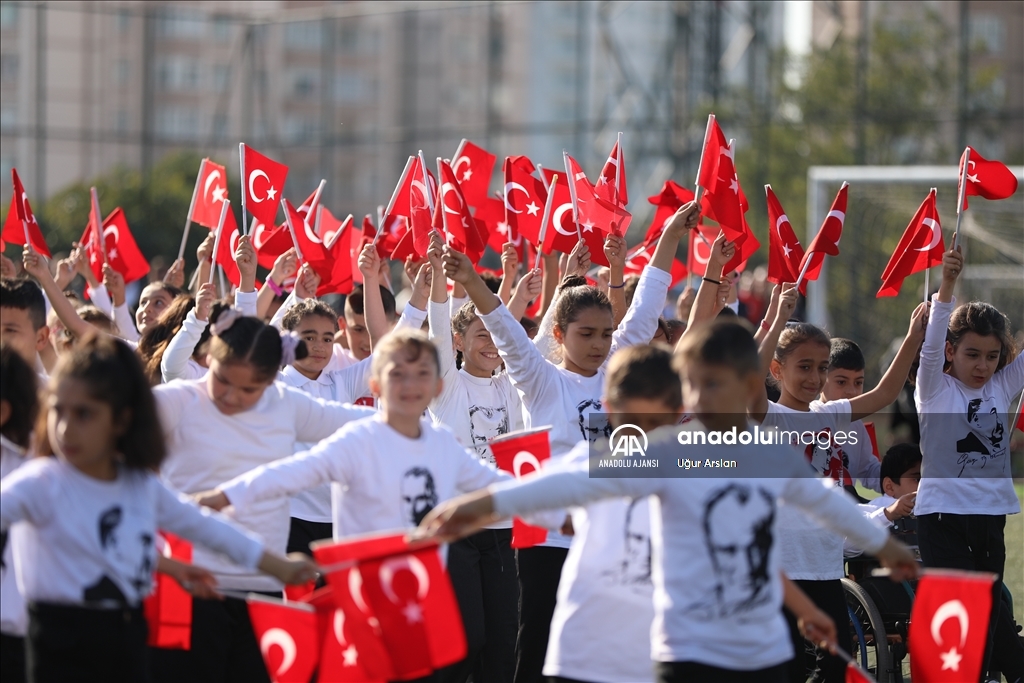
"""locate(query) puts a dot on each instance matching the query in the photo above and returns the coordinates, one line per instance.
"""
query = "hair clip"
(225, 320)
(289, 342)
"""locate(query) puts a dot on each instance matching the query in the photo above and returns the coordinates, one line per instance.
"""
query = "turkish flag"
(611, 184)
(639, 256)
(724, 201)
(337, 238)
(395, 228)
(699, 252)
(287, 635)
(591, 210)
(309, 208)
(452, 216)
(263, 179)
(714, 144)
(522, 452)
(123, 253)
(270, 243)
(669, 200)
(523, 162)
(211, 190)
(473, 167)
(920, 248)
(949, 625)
(855, 674)
(225, 255)
(784, 250)
(869, 427)
(340, 659)
(168, 608)
(827, 239)
(525, 196)
(562, 234)
(988, 179)
(412, 199)
(20, 217)
(310, 246)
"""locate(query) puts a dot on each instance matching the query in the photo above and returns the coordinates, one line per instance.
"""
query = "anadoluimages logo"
(628, 440)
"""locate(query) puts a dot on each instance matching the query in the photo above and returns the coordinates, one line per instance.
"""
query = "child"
(717, 582)
(85, 550)
(23, 319)
(234, 419)
(566, 395)
(19, 407)
(968, 375)
(845, 380)
(812, 556)
(396, 465)
(899, 478)
(477, 402)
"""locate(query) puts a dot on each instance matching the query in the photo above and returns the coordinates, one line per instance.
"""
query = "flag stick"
(1016, 413)
(961, 193)
(394, 195)
(444, 212)
(803, 271)
(97, 220)
(223, 282)
(257, 597)
(316, 222)
(195, 277)
(458, 150)
(927, 282)
(191, 208)
(700, 164)
(426, 183)
(241, 167)
(618, 167)
(316, 196)
(220, 231)
(291, 229)
(546, 218)
(572, 193)
(381, 213)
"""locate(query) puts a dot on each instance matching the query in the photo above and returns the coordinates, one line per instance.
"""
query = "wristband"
(274, 287)
(611, 286)
(765, 326)
(714, 282)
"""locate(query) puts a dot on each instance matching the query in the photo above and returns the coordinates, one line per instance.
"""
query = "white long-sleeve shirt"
(715, 564)
(177, 361)
(13, 617)
(83, 540)
(390, 480)
(207, 448)
(341, 386)
(964, 431)
(555, 396)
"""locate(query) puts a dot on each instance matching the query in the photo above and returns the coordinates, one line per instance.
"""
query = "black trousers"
(691, 672)
(303, 533)
(224, 647)
(76, 644)
(483, 572)
(975, 543)
(830, 599)
(12, 658)
(539, 570)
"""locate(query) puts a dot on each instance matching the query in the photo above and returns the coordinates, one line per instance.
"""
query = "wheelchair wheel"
(870, 644)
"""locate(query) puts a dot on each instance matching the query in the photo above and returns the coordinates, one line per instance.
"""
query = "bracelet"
(274, 287)
(765, 326)
(611, 286)
(714, 282)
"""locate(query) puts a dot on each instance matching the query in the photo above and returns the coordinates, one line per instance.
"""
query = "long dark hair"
(984, 320)
(155, 339)
(114, 375)
(18, 388)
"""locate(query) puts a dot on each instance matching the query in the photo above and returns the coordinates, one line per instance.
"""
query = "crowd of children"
(253, 430)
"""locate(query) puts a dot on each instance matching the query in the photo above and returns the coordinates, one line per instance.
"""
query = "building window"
(177, 123)
(178, 74)
(305, 83)
(220, 126)
(298, 128)
(180, 22)
(222, 27)
(124, 19)
(9, 68)
(351, 88)
(221, 77)
(123, 71)
(303, 35)
(8, 116)
(986, 33)
(122, 121)
(8, 15)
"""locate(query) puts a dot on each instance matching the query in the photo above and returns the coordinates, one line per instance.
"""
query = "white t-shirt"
(608, 573)
(13, 617)
(390, 481)
(964, 432)
(712, 604)
(807, 550)
(563, 399)
(207, 448)
(84, 540)
(341, 386)
(177, 361)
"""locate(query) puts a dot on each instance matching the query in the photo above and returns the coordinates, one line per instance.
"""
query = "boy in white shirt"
(23, 319)
(900, 476)
(717, 612)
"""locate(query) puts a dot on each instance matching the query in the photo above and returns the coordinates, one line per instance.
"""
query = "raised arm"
(615, 252)
(709, 302)
(204, 255)
(766, 351)
(174, 362)
(769, 315)
(509, 268)
(113, 281)
(245, 259)
(285, 266)
(373, 305)
(891, 384)
(438, 316)
(36, 266)
(933, 350)
(527, 290)
(550, 282)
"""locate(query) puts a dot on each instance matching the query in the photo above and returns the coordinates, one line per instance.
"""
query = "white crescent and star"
(271, 192)
(951, 609)
(284, 640)
(936, 229)
(258, 235)
(556, 218)
(355, 589)
(778, 224)
(218, 191)
(696, 252)
(469, 168)
(418, 185)
(411, 563)
(509, 188)
(445, 189)
(524, 458)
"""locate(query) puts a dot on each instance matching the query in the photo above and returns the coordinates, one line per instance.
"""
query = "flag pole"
(426, 182)
(220, 230)
(1016, 414)
(572, 193)
(316, 195)
(223, 282)
(927, 282)
(545, 219)
(698, 190)
(291, 229)
(444, 214)
(241, 167)
(191, 208)
(97, 219)
(618, 167)
(807, 264)
(961, 193)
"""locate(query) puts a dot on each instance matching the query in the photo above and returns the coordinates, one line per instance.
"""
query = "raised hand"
(245, 259)
(579, 260)
(205, 300)
(457, 266)
(421, 285)
(285, 266)
(114, 282)
(787, 301)
(615, 252)
(722, 250)
(306, 282)
(369, 262)
(509, 260)
(35, 264)
(435, 252)
(952, 266)
(204, 253)
(683, 220)
(918, 323)
(7, 268)
(65, 271)
(175, 275)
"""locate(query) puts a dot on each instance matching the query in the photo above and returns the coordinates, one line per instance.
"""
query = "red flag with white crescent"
(225, 255)
(611, 184)
(669, 200)
(452, 216)
(263, 182)
(211, 190)
(593, 212)
(20, 217)
(985, 178)
(524, 204)
(562, 234)
(920, 248)
(287, 637)
(784, 250)
(473, 166)
(827, 239)
(521, 453)
(123, 253)
(699, 251)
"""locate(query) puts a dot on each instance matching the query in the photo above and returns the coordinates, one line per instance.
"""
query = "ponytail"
(237, 338)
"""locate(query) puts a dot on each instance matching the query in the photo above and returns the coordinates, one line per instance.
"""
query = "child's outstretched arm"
(933, 351)
(769, 315)
(891, 384)
(174, 362)
(373, 305)
(708, 303)
(528, 289)
(285, 266)
(509, 268)
(615, 252)
(438, 315)
(36, 266)
(766, 351)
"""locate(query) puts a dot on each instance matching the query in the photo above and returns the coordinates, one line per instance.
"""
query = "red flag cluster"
(118, 247)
